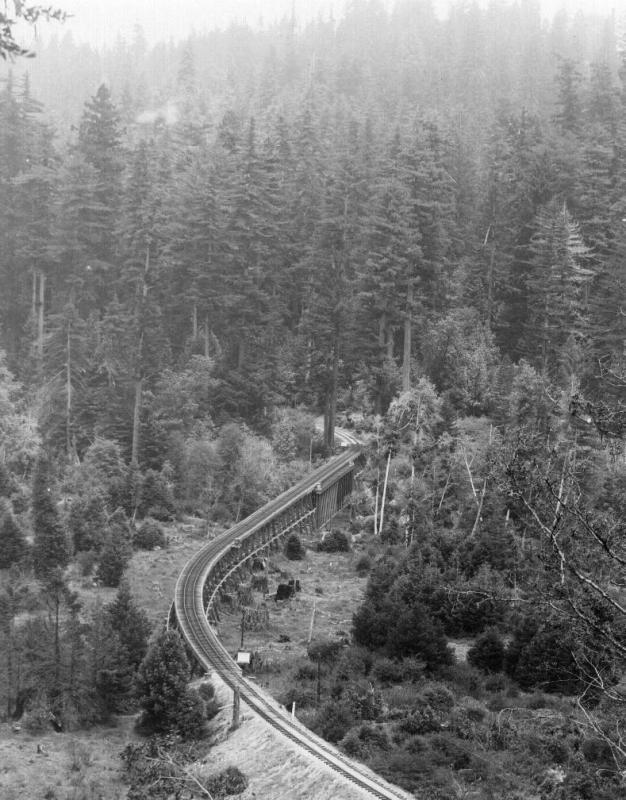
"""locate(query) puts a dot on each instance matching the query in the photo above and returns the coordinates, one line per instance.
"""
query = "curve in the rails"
(203, 640)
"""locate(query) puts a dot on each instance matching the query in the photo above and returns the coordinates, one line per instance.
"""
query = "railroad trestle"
(304, 515)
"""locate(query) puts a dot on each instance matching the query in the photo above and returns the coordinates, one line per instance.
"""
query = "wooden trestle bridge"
(305, 508)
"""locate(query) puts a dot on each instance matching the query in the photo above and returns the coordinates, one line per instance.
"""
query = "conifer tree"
(50, 550)
(13, 545)
(556, 286)
(14, 593)
(130, 623)
(161, 683)
(109, 670)
(99, 149)
(393, 248)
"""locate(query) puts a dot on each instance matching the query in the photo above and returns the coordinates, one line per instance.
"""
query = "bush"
(364, 701)
(86, 561)
(325, 650)
(259, 583)
(189, 719)
(294, 549)
(229, 781)
(363, 564)
(333, 721)
(303, 698)
(413, 632)
(305, 671)
(206, 691)
(438, 696)
(412, 669)
(487, 653)
(387, 671)
(456, 754)
(352, 663)
(545, 660)
(37, 716)
(597, 751)
(422, 720)
(334, 542)
(149, 535)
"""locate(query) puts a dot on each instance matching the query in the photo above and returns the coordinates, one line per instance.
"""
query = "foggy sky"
(99, 22)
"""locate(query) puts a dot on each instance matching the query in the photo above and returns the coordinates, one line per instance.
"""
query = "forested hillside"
(315, 212)
(409, 223)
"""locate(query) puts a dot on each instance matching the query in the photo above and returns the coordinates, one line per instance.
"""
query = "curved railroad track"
(191, 618)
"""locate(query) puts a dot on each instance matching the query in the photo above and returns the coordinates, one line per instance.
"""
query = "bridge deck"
(190, 611)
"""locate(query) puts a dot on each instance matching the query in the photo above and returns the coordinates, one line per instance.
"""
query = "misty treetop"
(312, 210)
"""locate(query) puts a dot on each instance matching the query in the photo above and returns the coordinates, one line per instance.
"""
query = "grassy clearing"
(78, 766)
(329, 584)
(152, 575)
(85, 765)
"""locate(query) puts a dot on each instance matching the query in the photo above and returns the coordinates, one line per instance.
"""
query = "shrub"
(598, 751)
(211, 709)
(229, 781)
(334, 542)
(422, 720)
(365, 701)
(412, 669)
(353, 662)
(189, 718)
(363, 564)
(545, 660)
(487, 653)
(294, 549)
(86, 561)
(497, 683)
(352, 744)
(374, 737)
(37, 716)
(259, 583)
(456, 754)
(333, 721)
(413, 632)
(149, 535)
(387, 671)
(303, 698)
(206, 691)
(325, 650)
(438, 696)
(305, 671)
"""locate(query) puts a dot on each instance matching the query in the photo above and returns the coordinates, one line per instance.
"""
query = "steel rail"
(202, 638)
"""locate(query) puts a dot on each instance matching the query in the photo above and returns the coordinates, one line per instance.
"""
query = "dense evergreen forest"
(410, 224)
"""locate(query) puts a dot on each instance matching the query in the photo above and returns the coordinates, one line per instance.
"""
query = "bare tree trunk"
(382, 503)
(376, 502)
(479, 510)
(408, 328)
(206, 338)
(330, 414)
(68, 391)
(134, 450)
(194, 322)
(39, 294)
